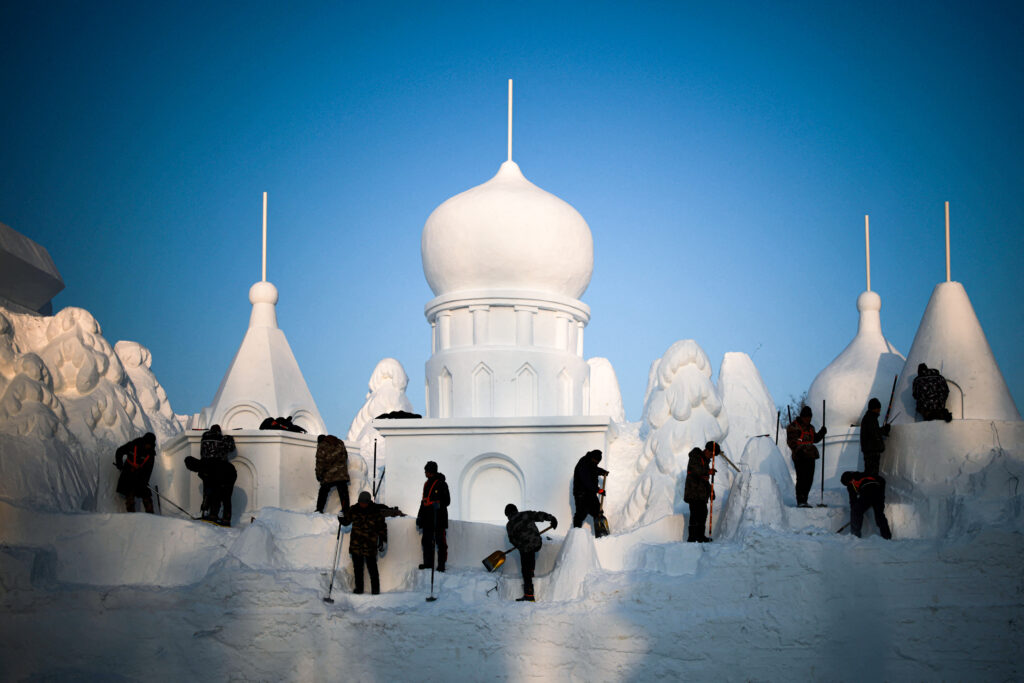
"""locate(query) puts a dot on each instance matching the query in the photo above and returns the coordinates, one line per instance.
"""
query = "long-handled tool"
(842, 528)
(433, 554)
(374, 489)
(892, 395)
(497, 558)
(711, 503)
(337, 555)
(601, 522)
(822, 503)
(187, 513)
(778, 419)
(159, 510)
(377, 487)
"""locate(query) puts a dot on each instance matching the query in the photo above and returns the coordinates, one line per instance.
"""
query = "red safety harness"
(133, 461)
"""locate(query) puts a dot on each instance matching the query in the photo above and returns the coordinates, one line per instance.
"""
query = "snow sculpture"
(386, 394)
(66, 403)
(683, 411)
(866, 368)
(507, 262)
(138, 362)
(576, 559)
(605, 396)
(28, 276)
(508, 390)
(264, 380)
(951, 339)
(760, 492)
(747, 402)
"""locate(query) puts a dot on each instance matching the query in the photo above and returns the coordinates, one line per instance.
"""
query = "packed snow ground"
(141, 597)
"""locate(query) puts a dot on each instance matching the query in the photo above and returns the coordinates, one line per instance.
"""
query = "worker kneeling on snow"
(218, 477)
(523, 534)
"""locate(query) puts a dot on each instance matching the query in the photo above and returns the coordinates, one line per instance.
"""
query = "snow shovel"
(497, 558)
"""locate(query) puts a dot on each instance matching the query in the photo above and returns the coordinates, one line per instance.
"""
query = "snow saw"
(497, 558)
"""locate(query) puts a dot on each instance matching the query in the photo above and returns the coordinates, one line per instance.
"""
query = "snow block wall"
(66, 403)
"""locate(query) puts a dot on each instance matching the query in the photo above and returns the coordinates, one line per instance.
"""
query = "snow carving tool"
(778, 419)
(822, 503)
(377, 487)
(842, 528)
(711, 503)
(497, 558)
(892, 394)
(601, 522)
(337, 555)
(186, 512)
(433, 553)
(374, 469)
(159, 510)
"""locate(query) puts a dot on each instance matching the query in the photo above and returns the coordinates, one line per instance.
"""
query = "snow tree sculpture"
(682, 411)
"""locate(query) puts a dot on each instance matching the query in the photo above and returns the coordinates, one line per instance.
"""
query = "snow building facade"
(507, 386)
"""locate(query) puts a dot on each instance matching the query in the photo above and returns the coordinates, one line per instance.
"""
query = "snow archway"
(488, 484)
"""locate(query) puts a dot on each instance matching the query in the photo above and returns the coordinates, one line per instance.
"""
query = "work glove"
(823, 431)
(712, 471)
(343, 520)
(600, 492)
(554, 523)
(380, 544)
(886, 429)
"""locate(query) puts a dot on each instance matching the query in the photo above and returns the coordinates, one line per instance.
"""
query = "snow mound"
(577, 558)
(747, 402)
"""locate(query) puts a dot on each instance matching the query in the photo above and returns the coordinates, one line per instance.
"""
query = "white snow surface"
(747, 402)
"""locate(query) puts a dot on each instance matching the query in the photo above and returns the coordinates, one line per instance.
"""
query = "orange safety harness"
(426, 497)
(134, 461)
(806, 435)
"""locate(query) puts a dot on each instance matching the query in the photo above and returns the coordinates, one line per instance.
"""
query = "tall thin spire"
(264, 237)
(510, 119)
(947, 242)
(867, 249)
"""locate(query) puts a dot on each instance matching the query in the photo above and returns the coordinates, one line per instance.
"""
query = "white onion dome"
(507, 234)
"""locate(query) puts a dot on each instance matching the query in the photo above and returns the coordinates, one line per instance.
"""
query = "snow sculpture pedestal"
(275, 469)
(490, 462)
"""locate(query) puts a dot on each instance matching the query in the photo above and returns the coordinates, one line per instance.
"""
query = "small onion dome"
(507, 234)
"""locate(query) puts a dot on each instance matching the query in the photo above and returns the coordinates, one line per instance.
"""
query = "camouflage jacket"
(930, 390)
(331, 460)
(522, 529)
(368, 529)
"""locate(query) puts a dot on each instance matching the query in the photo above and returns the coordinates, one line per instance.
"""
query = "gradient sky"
(724, 155)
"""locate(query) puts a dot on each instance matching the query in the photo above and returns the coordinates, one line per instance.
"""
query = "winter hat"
(874, 404)
(364, 497)
(595, 454)
(431, 467)
(149, 437)
(320, 439)
(511, 510)
(921, 368)
(805, 411)
(714, 447)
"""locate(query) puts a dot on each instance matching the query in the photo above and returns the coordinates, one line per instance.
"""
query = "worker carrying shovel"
(523, 534)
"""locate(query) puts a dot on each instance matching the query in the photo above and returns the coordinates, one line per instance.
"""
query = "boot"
(147, 503)
(527, 597)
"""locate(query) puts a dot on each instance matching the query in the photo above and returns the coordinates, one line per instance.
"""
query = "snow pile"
(576, 560)
(605, 396)
(682, 410)
(66, 402)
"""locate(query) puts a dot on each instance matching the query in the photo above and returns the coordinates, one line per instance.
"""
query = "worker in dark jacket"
(585, 489)
(866, 491)
(698, 492)
(369, 535)
(801, 437)
(218, 477)
(931, 390)
(135, 460)
(216, 445)
(872, 437)
(523, 534)
(331, 471)
(432, 517)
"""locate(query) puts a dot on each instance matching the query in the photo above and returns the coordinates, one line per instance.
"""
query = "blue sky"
(724, 155)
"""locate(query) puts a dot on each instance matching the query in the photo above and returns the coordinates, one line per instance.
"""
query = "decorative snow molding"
(244, 415)
(489, 483)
